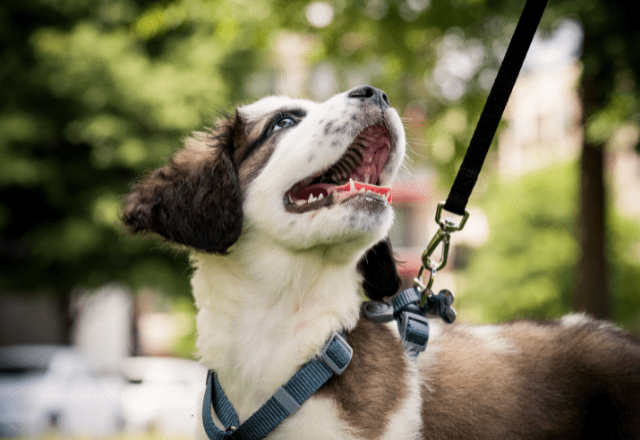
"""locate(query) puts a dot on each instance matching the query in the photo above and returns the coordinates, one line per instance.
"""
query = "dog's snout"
(370, 93)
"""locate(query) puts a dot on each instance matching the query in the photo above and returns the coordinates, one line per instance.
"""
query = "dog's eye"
(283, 122)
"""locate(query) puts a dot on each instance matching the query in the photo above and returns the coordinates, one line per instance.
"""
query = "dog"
(284, 207)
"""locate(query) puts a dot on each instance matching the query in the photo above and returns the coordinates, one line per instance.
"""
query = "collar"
(332, 360)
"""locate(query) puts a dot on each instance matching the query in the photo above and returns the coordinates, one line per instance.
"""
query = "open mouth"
(356, 173)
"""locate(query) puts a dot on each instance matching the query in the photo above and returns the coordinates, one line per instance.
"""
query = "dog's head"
(309, 176)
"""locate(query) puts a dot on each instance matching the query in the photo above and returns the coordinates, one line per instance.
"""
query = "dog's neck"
(265, 310)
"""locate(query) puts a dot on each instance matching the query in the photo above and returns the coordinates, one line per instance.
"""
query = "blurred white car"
(46, 388)
(163, 395)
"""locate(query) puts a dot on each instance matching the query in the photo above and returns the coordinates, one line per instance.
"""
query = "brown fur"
(374, 385)
(559, 382)
(196, 199)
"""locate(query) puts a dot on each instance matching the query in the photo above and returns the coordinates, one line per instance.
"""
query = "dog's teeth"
(351, 161)
(300, 202)
(352, 186)
(320, 197)
(311, 199)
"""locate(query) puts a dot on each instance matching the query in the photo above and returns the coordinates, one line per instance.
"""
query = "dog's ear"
(380, 274)
(196, 199)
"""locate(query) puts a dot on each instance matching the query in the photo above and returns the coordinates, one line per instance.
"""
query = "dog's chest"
(377, 397)
(256, 335)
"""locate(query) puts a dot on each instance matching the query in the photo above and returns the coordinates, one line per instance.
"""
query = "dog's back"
(574, 379)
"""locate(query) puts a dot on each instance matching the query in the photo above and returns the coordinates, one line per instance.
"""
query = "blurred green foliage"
(527, 269)
(94, 95)
(97, 92)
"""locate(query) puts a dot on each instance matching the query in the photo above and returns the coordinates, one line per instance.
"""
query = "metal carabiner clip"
(442, 237)
(447, 224)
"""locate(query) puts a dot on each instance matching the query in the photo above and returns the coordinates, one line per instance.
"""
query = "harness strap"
(410, 316)
(494, 107)
(333, 359)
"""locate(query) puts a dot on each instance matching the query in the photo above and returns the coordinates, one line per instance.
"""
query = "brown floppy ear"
(380, 274)
(195, 200)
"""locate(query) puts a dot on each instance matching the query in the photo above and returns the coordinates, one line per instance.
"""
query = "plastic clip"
(440, 305)
(414, 331)
(378, 311)
(333, 357)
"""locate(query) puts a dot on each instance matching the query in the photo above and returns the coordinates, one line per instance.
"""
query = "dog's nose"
(370, 93)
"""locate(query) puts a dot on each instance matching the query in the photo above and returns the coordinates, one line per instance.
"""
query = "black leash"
(481, 141)
(494, 107)
(410, 306)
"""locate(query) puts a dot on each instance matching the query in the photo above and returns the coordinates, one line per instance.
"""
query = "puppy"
(285, 209)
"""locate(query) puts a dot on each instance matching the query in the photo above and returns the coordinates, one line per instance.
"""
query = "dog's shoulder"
(380, 384)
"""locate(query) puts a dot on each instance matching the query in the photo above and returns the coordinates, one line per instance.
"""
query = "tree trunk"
(592, 295)
(135, 349)
(66, 318)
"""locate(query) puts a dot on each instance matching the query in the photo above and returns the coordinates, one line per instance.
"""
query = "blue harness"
(410, 316)
(332, 360)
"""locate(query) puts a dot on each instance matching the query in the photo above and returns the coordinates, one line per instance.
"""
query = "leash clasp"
(442, 238)
(443, 235)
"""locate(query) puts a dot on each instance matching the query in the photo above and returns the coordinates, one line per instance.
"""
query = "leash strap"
(478, 147)
(494, 107)
(333, 359)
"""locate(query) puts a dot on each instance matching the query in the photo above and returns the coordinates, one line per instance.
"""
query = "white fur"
(574, 319)
(493, 337)
(406, 423)
(290, 280)
(316, 419)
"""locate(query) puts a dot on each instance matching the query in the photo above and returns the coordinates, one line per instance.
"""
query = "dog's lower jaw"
(262, 316)
(341, 232)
